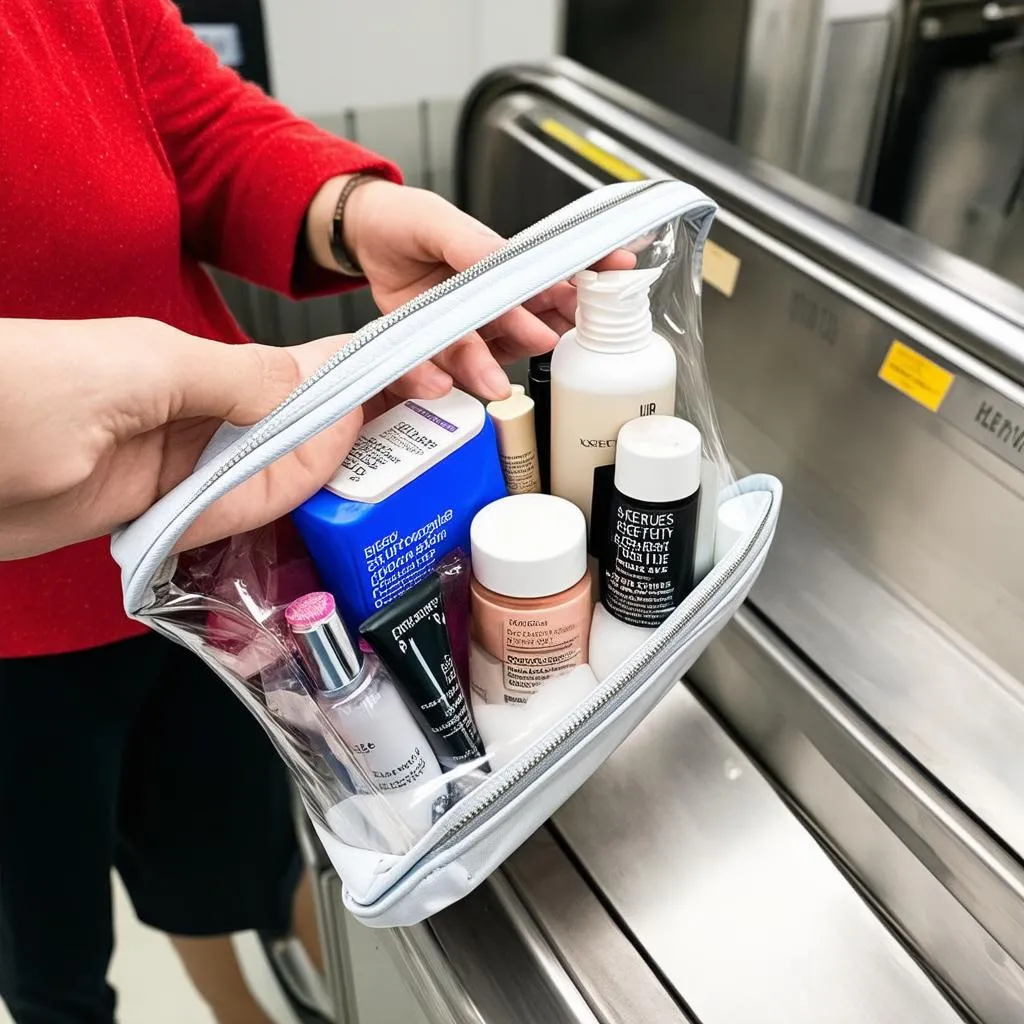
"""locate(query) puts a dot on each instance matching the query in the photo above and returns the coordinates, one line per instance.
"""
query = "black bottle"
(540, 392)
(649, 531)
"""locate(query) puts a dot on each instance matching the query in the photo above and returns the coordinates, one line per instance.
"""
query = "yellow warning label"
(608, 162)
(916, 376)
(720, 268)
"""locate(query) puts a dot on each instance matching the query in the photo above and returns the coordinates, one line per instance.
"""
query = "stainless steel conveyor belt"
(825, 823)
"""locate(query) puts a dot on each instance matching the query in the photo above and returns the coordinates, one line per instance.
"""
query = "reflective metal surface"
(742, 911)
(609, 970)
(908, 107)
(975, 309)
(820, 112)
(894, 714)
(485, 959)
(915, 616)
(947, 886)
(967, 173)
(686, 55)
(533, 944)
(952, 156)
(680, 889)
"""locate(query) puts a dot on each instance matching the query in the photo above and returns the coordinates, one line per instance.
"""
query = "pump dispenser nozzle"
(613, 312)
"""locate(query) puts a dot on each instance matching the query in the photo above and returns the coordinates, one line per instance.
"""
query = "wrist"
(333, 222)
(351, 226)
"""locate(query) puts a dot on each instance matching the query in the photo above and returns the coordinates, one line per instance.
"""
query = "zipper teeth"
(610, 690)
(543, 231)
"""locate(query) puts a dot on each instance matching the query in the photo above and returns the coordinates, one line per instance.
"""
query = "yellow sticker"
(916, 376)
(720, 268)
(608, 162)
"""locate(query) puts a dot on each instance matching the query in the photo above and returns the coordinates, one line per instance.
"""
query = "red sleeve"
(246, 167)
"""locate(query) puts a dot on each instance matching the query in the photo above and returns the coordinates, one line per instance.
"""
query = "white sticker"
(405, 442)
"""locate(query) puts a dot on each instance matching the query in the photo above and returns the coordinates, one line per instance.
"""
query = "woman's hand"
(99, 418)
(407, 240)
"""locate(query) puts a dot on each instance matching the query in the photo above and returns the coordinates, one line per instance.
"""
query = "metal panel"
(846, 103)
(774, 103)
(820, 111)
(895, 569)
(971, 158)
(867, 459)
(691, 893)
(684, 54)
(972, 307)
(740, 909)
(609, 970)
(926, 862)
(486, 960)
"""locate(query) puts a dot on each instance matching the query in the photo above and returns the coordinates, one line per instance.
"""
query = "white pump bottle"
(610, 369)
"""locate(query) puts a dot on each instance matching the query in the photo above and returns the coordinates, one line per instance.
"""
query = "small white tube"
(735, 518)
(704, 557)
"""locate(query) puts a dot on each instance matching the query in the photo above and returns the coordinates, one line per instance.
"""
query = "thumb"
(239, 383)
(243, 386)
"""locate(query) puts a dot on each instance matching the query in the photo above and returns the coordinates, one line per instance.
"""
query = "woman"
(129, 157)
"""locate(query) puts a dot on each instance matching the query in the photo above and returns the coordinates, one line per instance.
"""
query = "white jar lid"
(657, 459)
(529, 545)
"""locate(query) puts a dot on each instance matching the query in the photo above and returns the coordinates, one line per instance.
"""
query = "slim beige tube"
(517, 442)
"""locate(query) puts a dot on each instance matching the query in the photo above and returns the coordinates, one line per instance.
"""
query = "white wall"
(327, 55)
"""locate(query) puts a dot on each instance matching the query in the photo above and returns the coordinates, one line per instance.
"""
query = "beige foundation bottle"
(530, 595)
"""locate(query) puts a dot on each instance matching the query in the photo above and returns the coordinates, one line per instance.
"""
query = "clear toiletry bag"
(417, 780)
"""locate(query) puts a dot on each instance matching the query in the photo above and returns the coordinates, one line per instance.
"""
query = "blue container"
(403, 499)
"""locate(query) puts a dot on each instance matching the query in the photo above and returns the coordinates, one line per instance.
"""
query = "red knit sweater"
(128, 156)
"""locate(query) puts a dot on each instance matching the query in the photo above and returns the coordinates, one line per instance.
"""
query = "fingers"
(620, 259)
(527, 330)
(237, 383)
(536, 326)
(471, 363)
(460, 240)
(424, 381)
(560, 298)
(279, 488)
(526, 333)
(240, 383)
(309, 357)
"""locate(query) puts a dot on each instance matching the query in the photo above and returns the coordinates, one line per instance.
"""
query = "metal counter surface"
(728, 895)
(950, 890)
(677, 887)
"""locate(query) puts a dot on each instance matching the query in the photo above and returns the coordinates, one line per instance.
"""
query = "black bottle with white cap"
(648, 535)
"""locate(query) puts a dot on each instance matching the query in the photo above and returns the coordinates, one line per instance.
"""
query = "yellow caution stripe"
(608, 162)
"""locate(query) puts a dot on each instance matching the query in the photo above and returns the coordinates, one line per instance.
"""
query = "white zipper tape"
(549, 252)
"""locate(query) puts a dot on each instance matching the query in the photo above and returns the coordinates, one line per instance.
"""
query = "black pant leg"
(64, 723)
(206, 837)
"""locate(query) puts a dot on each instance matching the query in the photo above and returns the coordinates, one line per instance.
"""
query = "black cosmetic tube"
(410, 636)
(540, 392)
